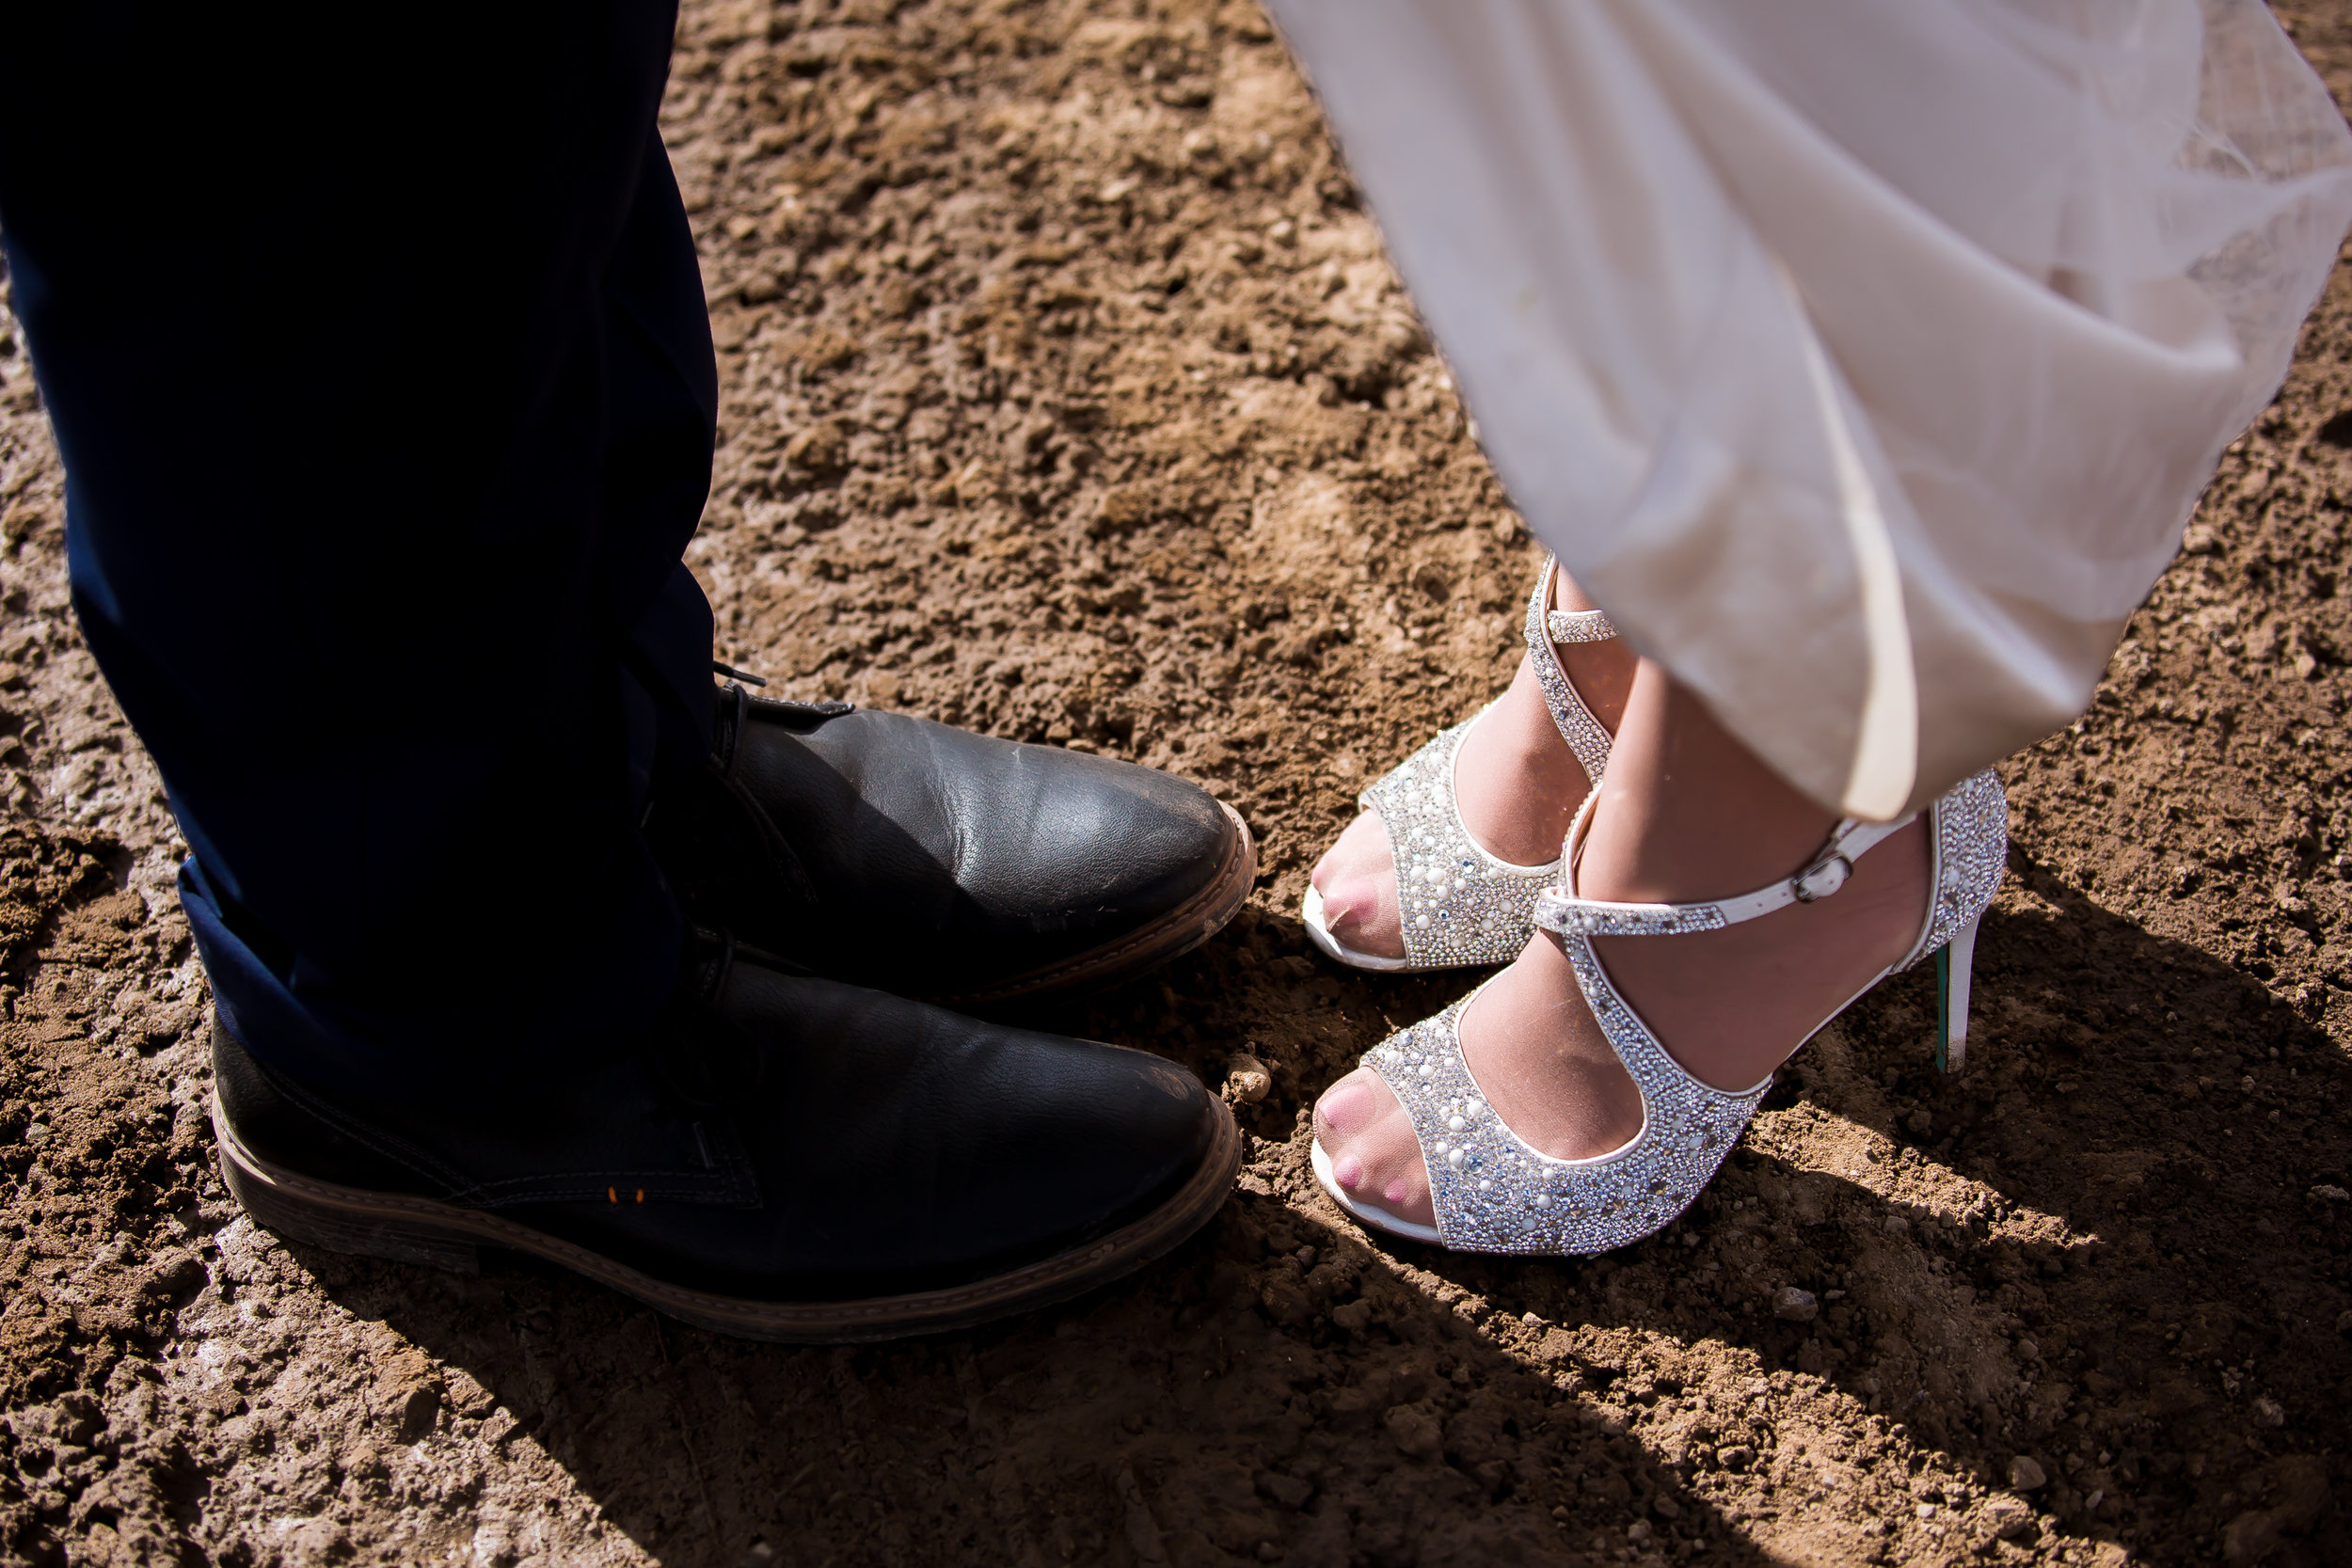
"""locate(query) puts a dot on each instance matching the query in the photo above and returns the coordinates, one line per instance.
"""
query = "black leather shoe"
(932, 861)
(784, 1158)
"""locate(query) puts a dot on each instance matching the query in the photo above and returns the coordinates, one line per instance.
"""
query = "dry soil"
(1069, 395)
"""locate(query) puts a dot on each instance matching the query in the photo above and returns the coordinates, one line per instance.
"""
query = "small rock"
(78, 1419)
(1247, 1080)
(1796, 1306)
(1735, 1456)
(1414, 1432)
(2026, 1474)
(1354, 1316)
(2251, 1537)
(822, 447)
(2269, 1413)
(1637, 1532)
(2327, 1192)
(316, 1541)
(1286, 1300)
(415, 1410)
(2007, 1516)
(1285, 1491)
(493, 1544)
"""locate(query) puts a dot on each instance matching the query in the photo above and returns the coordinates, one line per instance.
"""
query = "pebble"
(2007, 1516)
(2025, 1474)
(1414, 1432)
(1798, 1306)
(1247, 1080)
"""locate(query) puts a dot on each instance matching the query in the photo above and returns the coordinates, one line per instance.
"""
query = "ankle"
(1687, 812)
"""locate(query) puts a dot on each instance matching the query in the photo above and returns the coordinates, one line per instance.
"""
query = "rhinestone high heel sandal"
(1459, 905)
(1494, 1193)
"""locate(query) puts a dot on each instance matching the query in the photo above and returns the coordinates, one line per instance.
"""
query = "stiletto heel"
(1459, 905)
(1953, 962)
(1494, 1192)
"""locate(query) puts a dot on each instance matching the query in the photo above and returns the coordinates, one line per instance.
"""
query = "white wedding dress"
(1861, 358)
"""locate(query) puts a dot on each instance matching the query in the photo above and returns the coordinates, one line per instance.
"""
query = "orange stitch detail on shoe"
(611, 1196)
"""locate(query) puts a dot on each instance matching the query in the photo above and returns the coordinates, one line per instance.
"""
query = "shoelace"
(731, 719)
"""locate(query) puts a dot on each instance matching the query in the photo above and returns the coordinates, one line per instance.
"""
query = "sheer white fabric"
(1863, 360)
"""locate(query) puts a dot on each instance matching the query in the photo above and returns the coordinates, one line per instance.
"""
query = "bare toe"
(1374, 1156)
(1357, 877)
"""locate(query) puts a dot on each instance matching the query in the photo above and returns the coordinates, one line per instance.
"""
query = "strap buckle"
(1822, 877)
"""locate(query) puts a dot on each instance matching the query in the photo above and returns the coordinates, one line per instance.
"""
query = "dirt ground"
(1069, 396)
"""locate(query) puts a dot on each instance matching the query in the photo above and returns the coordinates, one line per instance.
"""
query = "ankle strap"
(1569, 625)
(1559, 909)
(1578, 625)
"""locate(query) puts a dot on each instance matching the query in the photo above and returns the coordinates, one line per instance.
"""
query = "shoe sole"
(1318, 925)
(1363, 1214)
(414, 1230)
(1173, 935)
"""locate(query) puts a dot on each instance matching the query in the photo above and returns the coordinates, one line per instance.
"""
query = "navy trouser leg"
(386, 397)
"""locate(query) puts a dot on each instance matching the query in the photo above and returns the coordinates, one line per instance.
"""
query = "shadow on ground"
(2046, 1257)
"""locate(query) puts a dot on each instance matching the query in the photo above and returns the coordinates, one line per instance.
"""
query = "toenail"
(1397, 1192)
(1338, 1108)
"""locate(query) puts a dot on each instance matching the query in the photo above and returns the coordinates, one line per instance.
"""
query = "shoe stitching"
(1137, 1243)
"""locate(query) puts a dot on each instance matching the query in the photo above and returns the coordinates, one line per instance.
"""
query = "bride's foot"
(1686, 814)
(1516, 782)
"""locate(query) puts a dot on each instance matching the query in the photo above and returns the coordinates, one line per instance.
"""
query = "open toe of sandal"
(1459, 905)
(1494, 1192)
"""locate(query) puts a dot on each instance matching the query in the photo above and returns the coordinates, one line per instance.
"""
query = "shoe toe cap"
(1104, 844)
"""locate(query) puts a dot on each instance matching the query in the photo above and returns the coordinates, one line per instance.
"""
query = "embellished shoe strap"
(1547, 627)
(1559, 909)
(1578, 625)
